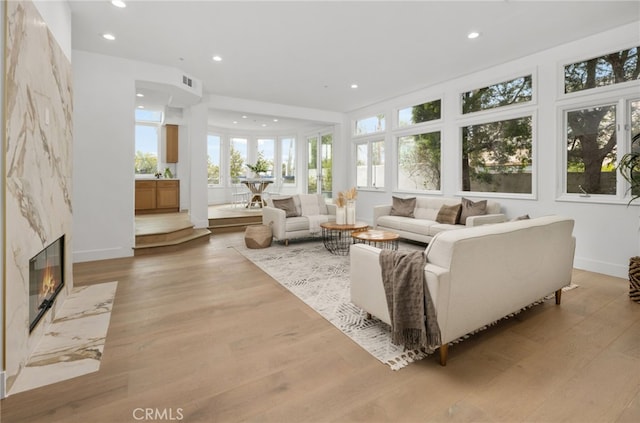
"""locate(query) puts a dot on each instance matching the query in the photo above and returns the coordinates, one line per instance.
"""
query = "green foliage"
(213, 172)
(629, 167)
(145, 163)
(261, 166)
(518, 90)
(236, 164)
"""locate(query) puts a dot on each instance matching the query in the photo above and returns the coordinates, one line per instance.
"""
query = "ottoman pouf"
(258, 236)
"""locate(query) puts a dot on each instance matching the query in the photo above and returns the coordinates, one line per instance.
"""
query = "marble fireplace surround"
(38, 163)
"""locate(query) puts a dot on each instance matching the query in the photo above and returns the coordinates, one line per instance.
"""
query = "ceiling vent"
(187, 81)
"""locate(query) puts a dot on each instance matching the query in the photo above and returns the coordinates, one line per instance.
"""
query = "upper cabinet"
(172, 143)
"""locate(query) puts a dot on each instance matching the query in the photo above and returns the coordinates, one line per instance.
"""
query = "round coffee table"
(380, 239)
(337, 238)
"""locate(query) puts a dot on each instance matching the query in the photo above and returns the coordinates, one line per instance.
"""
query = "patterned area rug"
(321, 280)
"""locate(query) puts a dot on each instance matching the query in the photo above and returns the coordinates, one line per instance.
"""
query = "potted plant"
(629, 167)
(260, 168)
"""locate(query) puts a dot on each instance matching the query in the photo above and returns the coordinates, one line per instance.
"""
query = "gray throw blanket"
(413, 317)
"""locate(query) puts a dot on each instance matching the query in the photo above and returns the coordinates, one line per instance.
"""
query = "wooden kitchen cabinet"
(171, 145)
(168, 195)
(157, 196)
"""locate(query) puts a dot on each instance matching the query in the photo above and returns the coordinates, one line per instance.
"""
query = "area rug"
(321, 280)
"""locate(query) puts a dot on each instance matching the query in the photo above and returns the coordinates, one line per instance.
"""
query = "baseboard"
(606, 268)
(102, 254)
(3, 385)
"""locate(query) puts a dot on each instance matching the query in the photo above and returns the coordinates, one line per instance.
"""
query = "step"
(164, 237)
(196, 237)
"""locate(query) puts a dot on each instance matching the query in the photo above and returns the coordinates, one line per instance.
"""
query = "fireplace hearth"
(46, 279)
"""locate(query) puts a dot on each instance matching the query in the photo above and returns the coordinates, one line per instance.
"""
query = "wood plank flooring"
(204, 335)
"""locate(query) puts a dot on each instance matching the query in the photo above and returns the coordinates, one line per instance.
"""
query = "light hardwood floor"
(204, 335)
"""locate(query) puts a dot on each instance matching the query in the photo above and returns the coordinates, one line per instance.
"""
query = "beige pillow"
(403, 206)
(286, 204)
(449, 214)
(469, 208)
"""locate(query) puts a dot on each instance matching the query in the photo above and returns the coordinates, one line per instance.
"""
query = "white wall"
(607, 234)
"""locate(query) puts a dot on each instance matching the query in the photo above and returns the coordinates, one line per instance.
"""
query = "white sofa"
(423, 226)
(478, 275)
(303, 225)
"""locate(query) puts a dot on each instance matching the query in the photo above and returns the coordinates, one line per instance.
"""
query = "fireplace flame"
(48, 284)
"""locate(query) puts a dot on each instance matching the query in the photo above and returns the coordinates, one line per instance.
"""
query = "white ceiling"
(308, 53)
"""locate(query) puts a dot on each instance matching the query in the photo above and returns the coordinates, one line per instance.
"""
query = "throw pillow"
(403, 206)
(286, 204)
(470, 208)
(449, 214)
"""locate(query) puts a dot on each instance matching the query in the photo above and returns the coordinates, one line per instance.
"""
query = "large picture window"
(497, 156)
(419, 162)
(267, 152)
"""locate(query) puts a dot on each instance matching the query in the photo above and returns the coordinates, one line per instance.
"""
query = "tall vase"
(351, 212)
(341, 215)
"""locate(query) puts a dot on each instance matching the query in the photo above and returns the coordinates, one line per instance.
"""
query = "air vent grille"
(187, 81)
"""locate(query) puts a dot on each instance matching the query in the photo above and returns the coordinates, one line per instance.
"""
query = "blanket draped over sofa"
(413, 317)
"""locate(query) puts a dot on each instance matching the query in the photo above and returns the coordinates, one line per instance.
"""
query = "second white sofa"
(421, 224)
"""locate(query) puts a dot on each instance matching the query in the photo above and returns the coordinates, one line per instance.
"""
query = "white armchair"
(296, 221)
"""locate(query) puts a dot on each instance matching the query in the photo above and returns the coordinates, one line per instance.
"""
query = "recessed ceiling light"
(108, 36)
(244, 116)
(119, 3)
(235, 121)
(140, 107)
(217, 59)
(473, 35)
(354, 86)
(139, 95)
(264, 124)
(275, 120)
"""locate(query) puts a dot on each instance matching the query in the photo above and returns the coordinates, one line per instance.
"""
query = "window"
(213, 159)
(420, 113)
(614, 68)
(591, 150)
(147, 152)
(518, 90)
(419, 162)
(598, 126)
(370, 125)
(266, 151)
(497, 156)
(362, 164)
(288, 160)
(237, 158)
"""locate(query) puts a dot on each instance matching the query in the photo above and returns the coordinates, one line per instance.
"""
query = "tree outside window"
(496, 156)
(419, 162)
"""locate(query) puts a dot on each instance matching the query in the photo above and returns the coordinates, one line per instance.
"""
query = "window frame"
(607, 90)
(413, 131)
(396, 115)
(371, 184)
(279, 180)
(622, 101)
(222, 168)
(354, 125)
(158, 127)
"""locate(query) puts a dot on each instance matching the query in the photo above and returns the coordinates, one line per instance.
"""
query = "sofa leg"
(558, 296)
(286, 242)
(444, 349)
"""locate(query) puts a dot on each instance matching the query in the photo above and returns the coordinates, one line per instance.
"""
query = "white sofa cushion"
(419, 226)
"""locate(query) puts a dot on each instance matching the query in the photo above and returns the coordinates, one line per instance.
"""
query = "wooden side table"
(376, 238)
(337, 238)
